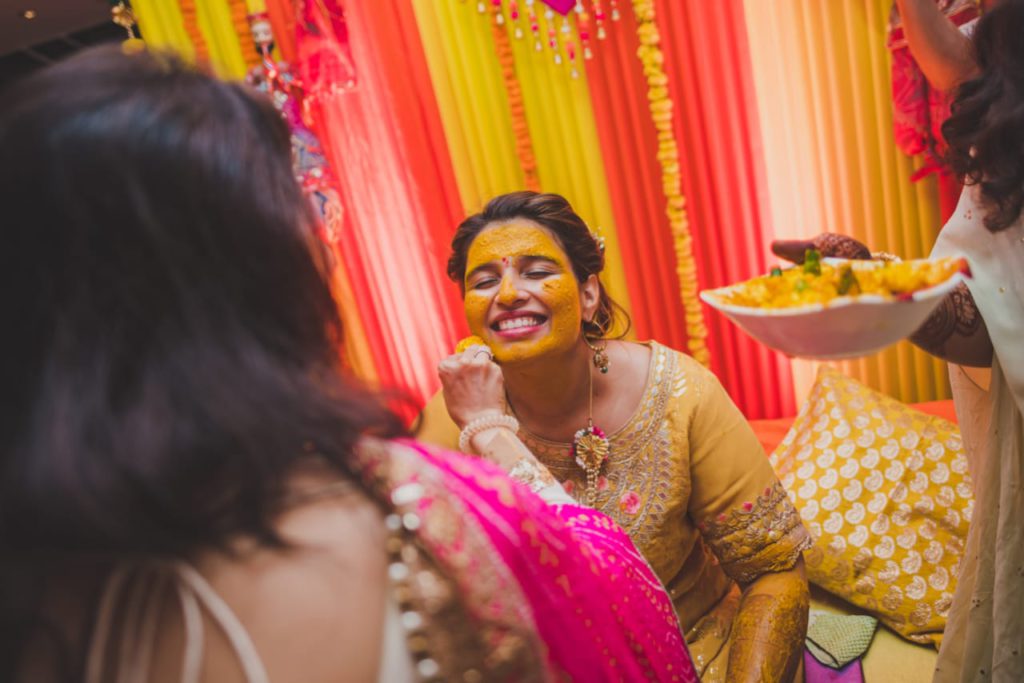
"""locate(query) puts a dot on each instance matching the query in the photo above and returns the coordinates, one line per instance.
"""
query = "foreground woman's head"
(170, 338)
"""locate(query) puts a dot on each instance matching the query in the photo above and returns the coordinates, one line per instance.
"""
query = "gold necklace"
(590, 446)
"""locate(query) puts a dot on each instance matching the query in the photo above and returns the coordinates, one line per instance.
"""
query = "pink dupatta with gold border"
(565, 573)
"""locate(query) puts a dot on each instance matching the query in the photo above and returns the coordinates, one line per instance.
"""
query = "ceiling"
(59, 29)
(54, 19)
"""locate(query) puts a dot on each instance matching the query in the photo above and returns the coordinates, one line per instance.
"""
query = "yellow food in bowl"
(821, 283)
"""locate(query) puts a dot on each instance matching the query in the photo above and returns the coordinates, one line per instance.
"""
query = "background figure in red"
(930, 57)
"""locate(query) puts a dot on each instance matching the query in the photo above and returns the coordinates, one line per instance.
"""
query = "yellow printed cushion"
(884, 491)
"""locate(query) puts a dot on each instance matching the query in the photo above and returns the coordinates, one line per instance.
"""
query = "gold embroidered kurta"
(690, 483)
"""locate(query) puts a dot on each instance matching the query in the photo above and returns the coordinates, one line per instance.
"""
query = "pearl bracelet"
(484, 423)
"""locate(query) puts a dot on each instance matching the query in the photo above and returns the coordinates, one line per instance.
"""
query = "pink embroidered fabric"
(598, 607)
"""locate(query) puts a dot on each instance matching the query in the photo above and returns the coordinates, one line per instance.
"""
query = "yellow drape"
(225, 52)
(161, 26)
(822, 76)
(474, 108)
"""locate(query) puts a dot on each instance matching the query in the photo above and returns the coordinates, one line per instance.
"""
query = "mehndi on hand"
(828, 244)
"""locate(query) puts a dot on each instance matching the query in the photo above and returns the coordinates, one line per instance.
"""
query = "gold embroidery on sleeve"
(759, 536)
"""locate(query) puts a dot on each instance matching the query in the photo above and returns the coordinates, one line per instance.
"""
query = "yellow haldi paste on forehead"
(513, 241)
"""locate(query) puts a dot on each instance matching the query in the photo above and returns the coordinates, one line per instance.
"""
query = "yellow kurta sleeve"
(738, 504)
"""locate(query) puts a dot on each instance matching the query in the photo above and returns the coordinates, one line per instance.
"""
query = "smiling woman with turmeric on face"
(636, 430)
(521, 297)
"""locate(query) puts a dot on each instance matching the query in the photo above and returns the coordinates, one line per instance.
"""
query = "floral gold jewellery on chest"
(590, 448)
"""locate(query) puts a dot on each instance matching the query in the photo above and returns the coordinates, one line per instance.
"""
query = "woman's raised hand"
(473, 385)
(828, 244)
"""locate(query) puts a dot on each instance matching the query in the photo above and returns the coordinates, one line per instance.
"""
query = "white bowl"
(846, 327)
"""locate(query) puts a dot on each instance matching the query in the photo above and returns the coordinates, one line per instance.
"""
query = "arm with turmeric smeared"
(750, 524)
(767, 637)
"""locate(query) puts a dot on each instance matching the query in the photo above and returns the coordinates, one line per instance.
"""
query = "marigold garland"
(520, 129)
(240, 23)
(661, 105)
(195, 35)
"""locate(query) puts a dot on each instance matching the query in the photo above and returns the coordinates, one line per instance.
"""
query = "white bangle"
(483, 423)
(529, 472)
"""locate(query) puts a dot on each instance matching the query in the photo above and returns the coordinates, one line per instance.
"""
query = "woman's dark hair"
(551, 211)
(985, 132)
(171, 344)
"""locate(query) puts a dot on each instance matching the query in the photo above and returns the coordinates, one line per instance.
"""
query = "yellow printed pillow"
(884, 491)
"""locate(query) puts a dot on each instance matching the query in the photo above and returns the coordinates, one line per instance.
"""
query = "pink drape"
(598, 606)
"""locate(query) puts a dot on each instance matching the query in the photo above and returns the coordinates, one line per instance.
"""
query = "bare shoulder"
(315, 611)
(635, 358)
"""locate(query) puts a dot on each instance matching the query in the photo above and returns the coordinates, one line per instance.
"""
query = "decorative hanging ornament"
(325, 62)
(309, 162)
(564, 46)
(122, 15)
(549, 17)
(590, 449)
(560, 6)
(513, 13)
(599, 20)
(534, 26)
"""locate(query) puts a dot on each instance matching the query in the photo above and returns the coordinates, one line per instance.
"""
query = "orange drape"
(282, 20)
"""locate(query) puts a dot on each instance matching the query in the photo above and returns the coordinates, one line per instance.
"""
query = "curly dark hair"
(985, 132)
(553, 212)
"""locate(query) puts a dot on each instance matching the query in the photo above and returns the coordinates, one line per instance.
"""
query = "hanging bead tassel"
(534, 26)
(549, 17)
(513, 13)
(583, 22)
(615, 9)
(590, 448)
(499, 16)
(599, 20)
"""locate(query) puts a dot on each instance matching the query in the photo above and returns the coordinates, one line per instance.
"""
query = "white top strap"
(252, 665)
(131, 597)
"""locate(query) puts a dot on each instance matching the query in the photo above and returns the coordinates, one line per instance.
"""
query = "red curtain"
(715, 121)
(386, 145)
